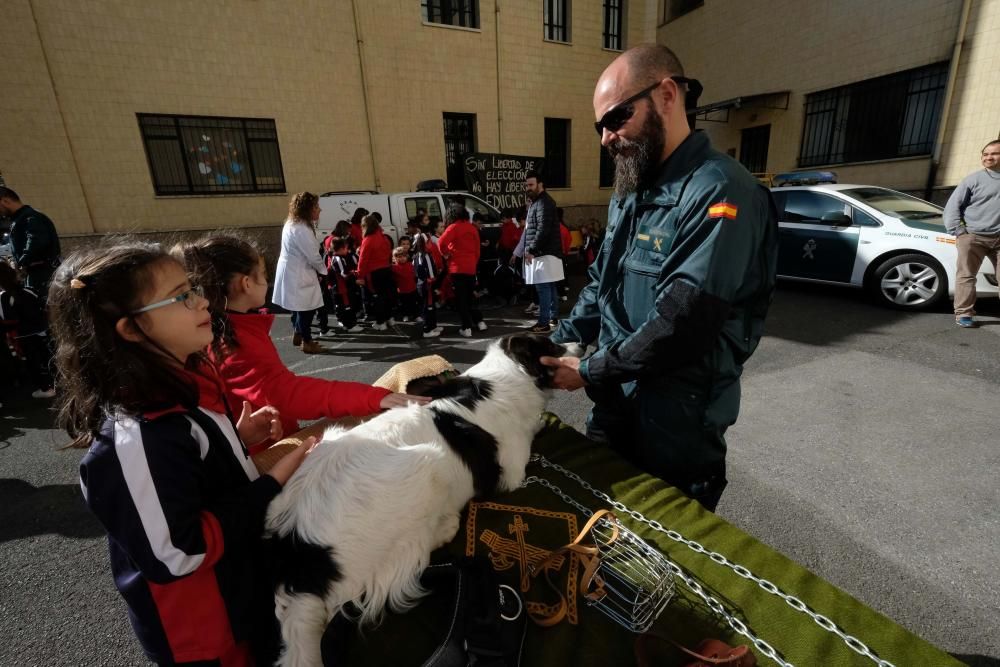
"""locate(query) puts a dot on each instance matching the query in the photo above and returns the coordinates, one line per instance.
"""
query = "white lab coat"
(296, 287)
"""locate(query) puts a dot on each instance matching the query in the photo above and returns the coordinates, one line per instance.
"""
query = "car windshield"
(896, 204)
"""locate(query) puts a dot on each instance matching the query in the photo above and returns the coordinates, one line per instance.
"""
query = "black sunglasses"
(620, 114)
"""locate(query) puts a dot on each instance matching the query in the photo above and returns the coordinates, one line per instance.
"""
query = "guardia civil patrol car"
(887, 242)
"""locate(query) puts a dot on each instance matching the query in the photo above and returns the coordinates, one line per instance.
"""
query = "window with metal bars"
(208, 155)
(557, 143)
(556, 20)
(464, 13)
(886, 117)
(614, 23)
(459, 139)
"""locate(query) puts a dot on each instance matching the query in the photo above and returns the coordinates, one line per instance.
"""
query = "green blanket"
(526, 524)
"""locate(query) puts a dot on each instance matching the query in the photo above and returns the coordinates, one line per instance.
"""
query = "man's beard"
(636, 161)
(530, 196)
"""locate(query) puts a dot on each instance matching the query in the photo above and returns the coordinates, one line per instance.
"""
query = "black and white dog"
(358, 521)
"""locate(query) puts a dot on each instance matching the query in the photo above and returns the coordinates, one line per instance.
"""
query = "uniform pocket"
(639, 290)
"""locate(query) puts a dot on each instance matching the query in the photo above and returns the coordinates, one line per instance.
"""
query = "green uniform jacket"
(679, 290)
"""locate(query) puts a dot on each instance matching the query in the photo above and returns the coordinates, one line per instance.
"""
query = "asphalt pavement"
(866, 450)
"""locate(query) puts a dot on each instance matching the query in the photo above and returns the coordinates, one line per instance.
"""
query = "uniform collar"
(668, 185)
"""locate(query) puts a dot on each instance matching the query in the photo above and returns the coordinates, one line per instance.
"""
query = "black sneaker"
(540, 328)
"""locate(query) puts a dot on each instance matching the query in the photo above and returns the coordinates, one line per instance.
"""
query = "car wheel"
(909, 282)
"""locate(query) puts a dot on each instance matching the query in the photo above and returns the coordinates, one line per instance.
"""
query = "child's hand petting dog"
(402, 400)
(567, 372)
(290, 462)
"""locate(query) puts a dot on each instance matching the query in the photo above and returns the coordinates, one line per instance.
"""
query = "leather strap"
(591, 585)
(738, 656)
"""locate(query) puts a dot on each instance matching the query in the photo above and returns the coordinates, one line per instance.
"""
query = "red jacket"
(460, 245)
(254, 372)
(375, 253)
(510, 234)
(406, 279)
(566, 238)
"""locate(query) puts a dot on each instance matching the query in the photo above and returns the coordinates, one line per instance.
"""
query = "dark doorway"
(753, 148)
(459, 139)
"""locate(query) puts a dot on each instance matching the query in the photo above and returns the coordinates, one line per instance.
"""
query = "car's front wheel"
(909, 282)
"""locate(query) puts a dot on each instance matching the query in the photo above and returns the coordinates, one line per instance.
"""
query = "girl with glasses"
(167, 472)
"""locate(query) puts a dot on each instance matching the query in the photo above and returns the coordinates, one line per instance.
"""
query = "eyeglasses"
(621, 113)
(187, 298)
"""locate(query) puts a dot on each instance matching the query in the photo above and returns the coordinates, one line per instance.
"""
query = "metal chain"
(852, 642)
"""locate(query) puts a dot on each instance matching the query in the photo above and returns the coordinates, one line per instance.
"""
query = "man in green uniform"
(679, 290)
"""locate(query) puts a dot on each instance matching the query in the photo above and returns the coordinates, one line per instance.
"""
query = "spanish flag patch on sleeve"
(723, 209)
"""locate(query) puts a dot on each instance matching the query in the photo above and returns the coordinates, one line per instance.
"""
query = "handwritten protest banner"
(498, 178)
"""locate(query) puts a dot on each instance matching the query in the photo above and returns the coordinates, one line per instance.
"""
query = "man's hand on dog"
(567, 372)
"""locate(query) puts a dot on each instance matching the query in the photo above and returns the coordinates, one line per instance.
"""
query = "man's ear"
(129, 330)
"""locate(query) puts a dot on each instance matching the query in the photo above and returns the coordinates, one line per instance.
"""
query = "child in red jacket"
(460, 246)
(233, 276)
(406, 283)
(375, 272)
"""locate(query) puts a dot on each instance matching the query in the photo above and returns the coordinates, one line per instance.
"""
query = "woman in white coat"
(296, 286)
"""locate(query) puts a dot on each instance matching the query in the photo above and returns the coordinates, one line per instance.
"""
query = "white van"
(397, 209)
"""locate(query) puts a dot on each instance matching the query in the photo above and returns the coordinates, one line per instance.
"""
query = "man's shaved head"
(647, 63)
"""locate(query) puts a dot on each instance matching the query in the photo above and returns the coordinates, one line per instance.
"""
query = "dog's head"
(526, 350)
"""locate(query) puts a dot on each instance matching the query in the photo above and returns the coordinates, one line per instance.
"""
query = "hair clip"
(76, 283)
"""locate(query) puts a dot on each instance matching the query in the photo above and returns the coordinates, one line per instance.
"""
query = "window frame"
(904, 107)
(567, 182)
(607, 35)
(550, 27)
(149, 136)
(606, 167)
(455, 7)
(474, 140)
(674, 9)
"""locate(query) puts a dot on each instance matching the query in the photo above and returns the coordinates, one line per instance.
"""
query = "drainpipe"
(364, 93)
(496, 25)
(949, 92)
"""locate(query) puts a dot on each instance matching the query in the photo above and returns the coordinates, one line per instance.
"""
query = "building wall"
(83, 71)
(807, 47)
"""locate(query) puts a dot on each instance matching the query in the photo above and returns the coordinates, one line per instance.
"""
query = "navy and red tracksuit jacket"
(343, 271)
(184, 508)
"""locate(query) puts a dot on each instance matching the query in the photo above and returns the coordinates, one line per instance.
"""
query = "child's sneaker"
(481, 325)
(380, 327)
(433, 333)
(391, 322)
(465, 333)
(355, 329)
(418, 319)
